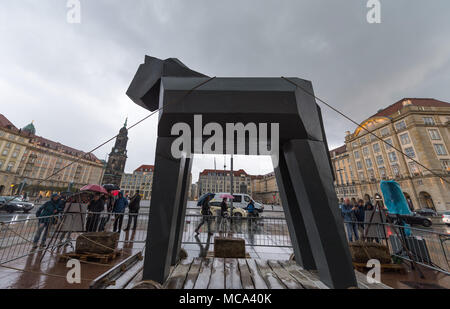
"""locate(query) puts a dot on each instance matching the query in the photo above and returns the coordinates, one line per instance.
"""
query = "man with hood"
(45, 213)
(119, 209)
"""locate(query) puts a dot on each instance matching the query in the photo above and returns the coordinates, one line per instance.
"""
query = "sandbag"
(97, 242)
(364, 251)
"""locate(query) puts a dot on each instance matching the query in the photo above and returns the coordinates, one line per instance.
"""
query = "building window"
(380, 160)
(413, 168)
(355, 145)
(366, 151)
(361, 175)
(401, 125)
(1, 164)
(384, 132)
(15, 154)
(359, 165)
(392, 156)
(382, 172)
(356, 153)
(388, 143)
(445, 165)
(371, 173)
(396, 170)
(440, 149)
(5, 152)
(376, 147)
(429, 121)
(363, 141)
(368, 163)
(10, 166)
(434, 134)
(410, 152)
(404, 139)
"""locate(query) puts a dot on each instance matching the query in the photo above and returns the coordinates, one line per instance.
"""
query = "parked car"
(240, 202)
(12, 204)
(426, 212)
(446, 217)
(414, 219)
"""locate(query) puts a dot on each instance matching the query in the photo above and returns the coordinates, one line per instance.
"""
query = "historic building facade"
(219, 181)
(141, 179)
(29, 163)
(265, 189)
(117, 158)
(420, 129)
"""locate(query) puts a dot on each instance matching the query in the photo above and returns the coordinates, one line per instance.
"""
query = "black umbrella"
(203, 197)
(111, 187)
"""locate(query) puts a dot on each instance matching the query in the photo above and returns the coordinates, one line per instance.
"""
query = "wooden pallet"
(361, 267)
(91, 257)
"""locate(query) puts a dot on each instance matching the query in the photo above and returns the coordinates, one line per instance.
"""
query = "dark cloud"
(71, 79)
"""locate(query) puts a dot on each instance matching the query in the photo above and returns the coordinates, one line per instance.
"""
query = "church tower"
(117, 158)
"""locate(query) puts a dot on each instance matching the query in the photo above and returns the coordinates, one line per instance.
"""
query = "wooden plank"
(217, 280)
(284, 276)
(246, 277)
(204, 275)
(232, 274)
(258, 280)
(179, 274)
(123, 281)
(193, 273)
(310, 275)
(292, 268)
(363, 284)
(271, 279)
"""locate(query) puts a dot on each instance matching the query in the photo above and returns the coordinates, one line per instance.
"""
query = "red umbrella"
(94, 188)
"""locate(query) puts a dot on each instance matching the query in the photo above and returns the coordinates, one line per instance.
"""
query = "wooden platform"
(92, 257)
(223, 273)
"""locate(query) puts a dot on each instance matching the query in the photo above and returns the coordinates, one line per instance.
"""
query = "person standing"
(206, 215)
(45, 213)
(348, 212)
(223, 213)
(251, 213)
(119, 209)
(95, 207)
(133, 210)
(360, 214)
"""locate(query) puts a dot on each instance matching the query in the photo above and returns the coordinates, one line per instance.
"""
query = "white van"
(240, 202)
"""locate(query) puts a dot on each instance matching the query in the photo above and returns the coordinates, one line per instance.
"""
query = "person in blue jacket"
(45, 213)
(119, 209)
(348, 212)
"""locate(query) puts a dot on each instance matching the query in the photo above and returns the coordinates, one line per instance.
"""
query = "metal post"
(231, 180)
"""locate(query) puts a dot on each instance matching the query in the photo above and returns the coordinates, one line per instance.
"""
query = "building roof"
(426, 102)
(44, 142)
(339, 150)
(29, 128)
(143, 168)
(235, 173)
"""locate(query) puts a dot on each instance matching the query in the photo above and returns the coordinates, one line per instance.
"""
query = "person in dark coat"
(45, 213)
(95, 208)
(133, 210)
(206, 215)
(119, 209)
(360, 213)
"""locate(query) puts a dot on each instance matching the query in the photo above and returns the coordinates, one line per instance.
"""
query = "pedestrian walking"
(119, 209)
(251, 214)
(206, 214)
(45, 213)
(348, 211)
(95, 208)
(133, 210)
(223, 214)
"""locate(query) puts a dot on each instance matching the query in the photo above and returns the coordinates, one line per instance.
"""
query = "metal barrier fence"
(256, 231)
(427, 248)
(19, 238)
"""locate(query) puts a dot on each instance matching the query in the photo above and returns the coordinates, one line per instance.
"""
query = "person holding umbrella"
(95, 207)
(206, 212)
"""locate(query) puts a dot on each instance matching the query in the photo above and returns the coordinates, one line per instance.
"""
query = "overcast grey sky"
(71, 78)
